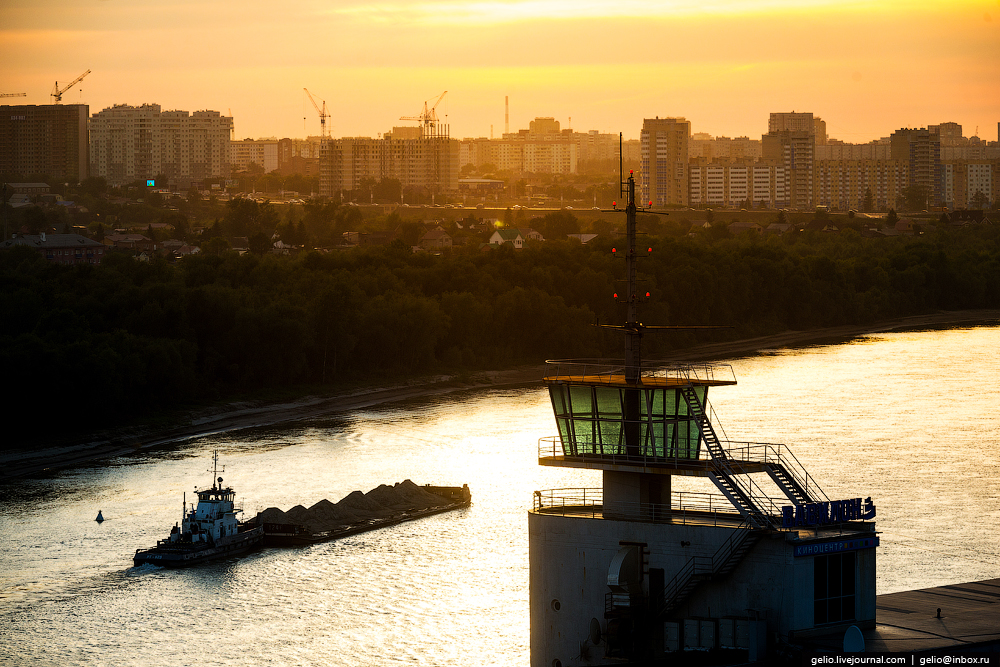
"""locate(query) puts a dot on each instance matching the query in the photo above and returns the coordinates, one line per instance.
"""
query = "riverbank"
(238, 416)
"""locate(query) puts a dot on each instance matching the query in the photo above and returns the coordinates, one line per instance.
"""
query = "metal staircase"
(700, 569)
(740, 494)
(790, 485)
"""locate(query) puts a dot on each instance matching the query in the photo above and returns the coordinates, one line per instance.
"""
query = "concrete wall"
(569, 559)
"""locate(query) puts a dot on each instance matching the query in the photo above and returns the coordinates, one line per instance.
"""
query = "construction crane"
(13, 94)
(428, 117)
(323, 115)
(57, 92)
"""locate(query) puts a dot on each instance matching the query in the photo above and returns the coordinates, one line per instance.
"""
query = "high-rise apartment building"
(261, 152)
(795, 151)
(663, 159)
(137, 143)
(949, 134)
(45, 140)
(703, 145)
(734, 184)
(920, 149)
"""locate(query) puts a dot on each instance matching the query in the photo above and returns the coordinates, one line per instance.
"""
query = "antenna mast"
(215, 469)
(633, 329)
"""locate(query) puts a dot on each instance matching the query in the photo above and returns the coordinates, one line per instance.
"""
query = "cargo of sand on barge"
(359, 512)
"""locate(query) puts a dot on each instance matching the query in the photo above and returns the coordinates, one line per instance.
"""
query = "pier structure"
(636, 570)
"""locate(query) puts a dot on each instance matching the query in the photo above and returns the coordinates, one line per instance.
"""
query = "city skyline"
(867, 68)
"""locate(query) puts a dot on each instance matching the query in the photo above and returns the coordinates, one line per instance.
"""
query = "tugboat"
(206, 532)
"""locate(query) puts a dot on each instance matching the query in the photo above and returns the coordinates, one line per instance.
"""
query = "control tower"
(636, 571)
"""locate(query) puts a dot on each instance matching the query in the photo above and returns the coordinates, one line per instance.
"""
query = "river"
(910, 419)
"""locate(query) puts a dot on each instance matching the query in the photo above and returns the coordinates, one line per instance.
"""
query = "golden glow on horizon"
(451, 12)
(867, 67)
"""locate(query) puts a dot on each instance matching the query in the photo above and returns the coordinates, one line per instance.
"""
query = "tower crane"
(428, 117)
(13, 94)
(57, 92)
(323, 115)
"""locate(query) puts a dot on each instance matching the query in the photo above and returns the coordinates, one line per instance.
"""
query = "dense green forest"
(128, 339)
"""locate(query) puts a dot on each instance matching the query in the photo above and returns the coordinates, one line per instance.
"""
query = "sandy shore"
(14, 464)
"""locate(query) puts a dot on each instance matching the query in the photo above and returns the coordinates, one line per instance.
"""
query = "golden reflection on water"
(909, 419)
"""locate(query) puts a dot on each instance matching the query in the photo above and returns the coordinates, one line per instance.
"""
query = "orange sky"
(867, 68)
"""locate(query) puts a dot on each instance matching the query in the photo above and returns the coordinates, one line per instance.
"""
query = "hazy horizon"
(866, 68)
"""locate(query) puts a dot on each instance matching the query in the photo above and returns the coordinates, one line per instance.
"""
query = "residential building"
(515, 237)
(47, 139)
(663, 148)
(949, 134)
(544, 148)
(799, 122)
(726, 184)
(845, 184)
(262, 152)
(920, 149)
(595, 146)
(795, 151)
(29, 188)
(139, 143)
(60, 248)
(299, 156)
(712, 148)
(137, 242)
(511, 236)
(436, 239)
(964, 180)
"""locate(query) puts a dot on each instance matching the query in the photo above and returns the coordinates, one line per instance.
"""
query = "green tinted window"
(611, 432)
(557, 392)
(581, 399)
(609, 402)
(565, 434)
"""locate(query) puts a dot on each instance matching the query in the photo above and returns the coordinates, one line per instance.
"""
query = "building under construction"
(45, 140)
(420, 158)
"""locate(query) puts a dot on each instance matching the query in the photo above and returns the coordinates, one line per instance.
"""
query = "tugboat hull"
(184, 555)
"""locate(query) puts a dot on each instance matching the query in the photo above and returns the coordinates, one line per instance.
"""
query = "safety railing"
(733, 472)
(689, 508)
(611, 371)
(557, 447)
(775, 454)
(705, 566)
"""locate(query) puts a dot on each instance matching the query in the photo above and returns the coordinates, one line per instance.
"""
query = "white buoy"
(100, 517)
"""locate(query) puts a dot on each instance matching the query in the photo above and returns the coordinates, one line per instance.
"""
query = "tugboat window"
(835, 588)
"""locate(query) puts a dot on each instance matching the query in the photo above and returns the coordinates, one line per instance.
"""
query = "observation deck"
(658, 424)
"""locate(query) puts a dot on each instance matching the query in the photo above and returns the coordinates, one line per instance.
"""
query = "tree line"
(128, 339)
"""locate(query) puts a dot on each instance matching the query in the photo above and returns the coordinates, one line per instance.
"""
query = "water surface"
(909, 419)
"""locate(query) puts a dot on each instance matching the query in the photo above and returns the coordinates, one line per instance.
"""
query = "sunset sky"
(866, 67)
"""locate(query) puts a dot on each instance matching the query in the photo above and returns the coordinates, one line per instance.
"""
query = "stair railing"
(684, 582)
(730, 468)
